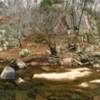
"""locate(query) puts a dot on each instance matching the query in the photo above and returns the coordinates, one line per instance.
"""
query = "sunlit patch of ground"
(71, 75)
(95, 81)
(84, 85)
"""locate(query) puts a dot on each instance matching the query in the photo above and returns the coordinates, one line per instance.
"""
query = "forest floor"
(14, 52)
(88, 85)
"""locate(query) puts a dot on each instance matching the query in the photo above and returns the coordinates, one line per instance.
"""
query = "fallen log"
(78, 62)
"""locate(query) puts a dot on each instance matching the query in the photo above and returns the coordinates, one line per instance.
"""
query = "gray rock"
(8, 73)
(20, 64)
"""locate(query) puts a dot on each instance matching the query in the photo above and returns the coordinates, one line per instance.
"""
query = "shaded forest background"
(22, 18)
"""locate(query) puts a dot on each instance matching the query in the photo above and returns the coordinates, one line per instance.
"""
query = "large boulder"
(8, 73)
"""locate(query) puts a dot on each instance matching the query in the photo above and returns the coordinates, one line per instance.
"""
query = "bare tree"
(75, 9)
(45, 22)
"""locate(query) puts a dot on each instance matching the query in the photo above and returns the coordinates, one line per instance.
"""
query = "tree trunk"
(82, 12)
(87, 23)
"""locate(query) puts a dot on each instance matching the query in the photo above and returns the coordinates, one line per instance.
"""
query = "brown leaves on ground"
(36, 49)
